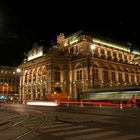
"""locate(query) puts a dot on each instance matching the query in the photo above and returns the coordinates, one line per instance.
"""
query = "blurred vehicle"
(3, 98)
(113, 95)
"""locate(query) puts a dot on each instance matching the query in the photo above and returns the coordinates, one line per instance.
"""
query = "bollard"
(82, 104)
(56, 101)
(100, 105)
(67, 104)
(121, 106)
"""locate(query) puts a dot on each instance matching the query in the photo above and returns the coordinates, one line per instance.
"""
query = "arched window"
(39, 74)
(30, 76)
(44, 72)
(79, 75)
(34, 75)
(26, 78)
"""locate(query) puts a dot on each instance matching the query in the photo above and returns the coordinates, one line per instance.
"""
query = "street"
(68, 123)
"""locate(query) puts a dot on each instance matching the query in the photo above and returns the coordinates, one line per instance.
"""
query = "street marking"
(76, 131)
(62, 129)
(91, 136)
(56, 125)
(126, 137)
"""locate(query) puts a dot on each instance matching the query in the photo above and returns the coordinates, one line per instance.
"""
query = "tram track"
(20, 126)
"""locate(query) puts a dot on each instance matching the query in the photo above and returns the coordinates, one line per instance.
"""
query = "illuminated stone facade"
(75, 63)
(9, 81)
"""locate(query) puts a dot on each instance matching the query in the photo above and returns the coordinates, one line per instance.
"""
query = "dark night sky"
(22, 23)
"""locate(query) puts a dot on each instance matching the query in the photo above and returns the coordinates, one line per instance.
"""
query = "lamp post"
(20, 71)
(7, 88)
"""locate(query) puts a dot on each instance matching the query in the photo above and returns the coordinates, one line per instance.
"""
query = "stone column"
(99, 51)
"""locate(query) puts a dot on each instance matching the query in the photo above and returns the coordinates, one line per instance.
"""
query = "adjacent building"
(9, 81)
(75, 63)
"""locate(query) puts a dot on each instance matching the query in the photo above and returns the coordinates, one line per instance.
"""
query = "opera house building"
(75, 63)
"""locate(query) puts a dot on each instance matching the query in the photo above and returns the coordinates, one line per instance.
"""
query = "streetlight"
(92, 47)
(20, 71)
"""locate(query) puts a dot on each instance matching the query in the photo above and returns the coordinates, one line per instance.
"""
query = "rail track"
(25, 123)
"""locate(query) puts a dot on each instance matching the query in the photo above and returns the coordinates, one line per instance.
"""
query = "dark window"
(56, 76)
(138, 78)
(108, 53)
(126, 77)
(105, 75)
(120, 56)
(132, 78)
(120, 77)
(96, 74)
(102, 51)
(125, 57)
(113, 76)
(79, 75)
(114, 54)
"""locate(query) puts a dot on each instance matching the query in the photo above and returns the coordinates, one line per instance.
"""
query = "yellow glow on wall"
(74, 41)
(113, 45)
(34, 53)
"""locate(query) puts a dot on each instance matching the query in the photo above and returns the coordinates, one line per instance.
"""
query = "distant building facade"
(75, 63)
(9, 81)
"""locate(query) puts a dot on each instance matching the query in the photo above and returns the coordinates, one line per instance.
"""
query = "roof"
(105, 41)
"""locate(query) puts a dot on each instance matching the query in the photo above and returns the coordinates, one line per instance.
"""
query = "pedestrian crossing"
(71, 131)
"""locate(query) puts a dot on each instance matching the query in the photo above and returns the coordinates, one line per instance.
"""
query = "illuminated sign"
(35, 53)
